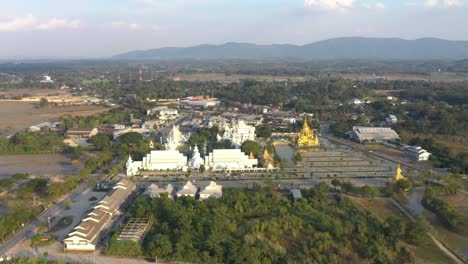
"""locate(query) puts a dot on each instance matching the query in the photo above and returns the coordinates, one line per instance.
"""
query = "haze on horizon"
(94, 29)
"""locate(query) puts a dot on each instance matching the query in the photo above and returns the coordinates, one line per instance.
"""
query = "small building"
(296, 194)
(416, 153)
(356, 101)
(211, 190)
(155, 191)
(80, 133)
(39, 127)
(391, 119)
(373, 134)
(187, 190)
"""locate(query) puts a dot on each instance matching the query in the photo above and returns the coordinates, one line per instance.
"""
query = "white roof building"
(229, 160)
(391, 119)
(356, 101)
(238, 132)
(154, 191)
(374, 134)
(211, 190)
(158, 160)
(187, 190)
(38, 127)
(416, 153)
(85, 236)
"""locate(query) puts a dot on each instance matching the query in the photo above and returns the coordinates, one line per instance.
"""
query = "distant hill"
(337, 48)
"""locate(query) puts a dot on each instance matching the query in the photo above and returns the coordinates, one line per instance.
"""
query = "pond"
(285, 152)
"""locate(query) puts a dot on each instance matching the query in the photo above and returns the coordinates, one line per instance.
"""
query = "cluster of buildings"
(86, 235)
(173, 160)
(163, 112)
(187, 190)
(237, 132)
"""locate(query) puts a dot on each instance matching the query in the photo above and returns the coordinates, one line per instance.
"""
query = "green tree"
(250, 146)
(263, 131)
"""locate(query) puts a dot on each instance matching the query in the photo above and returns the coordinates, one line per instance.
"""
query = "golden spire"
(266, 155)
(306, 136)
(398, 174)
(251, 156)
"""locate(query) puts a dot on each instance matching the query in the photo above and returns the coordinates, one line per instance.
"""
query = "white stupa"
(175, 138)
(196, 161)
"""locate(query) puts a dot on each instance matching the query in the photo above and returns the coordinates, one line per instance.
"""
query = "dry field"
(38, 165)
(15, 116)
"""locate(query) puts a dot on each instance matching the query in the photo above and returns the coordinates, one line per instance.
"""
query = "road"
(29, 229)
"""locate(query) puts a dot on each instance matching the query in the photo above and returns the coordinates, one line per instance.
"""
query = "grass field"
(15, 116)
(427, 252)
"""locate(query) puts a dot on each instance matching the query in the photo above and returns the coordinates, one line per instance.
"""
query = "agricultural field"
(16, 116)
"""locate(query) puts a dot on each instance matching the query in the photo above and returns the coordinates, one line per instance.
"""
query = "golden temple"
(307, 137)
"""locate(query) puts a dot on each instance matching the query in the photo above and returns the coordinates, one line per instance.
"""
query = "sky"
(102, 28)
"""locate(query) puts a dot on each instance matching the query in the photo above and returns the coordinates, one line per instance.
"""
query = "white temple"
(158, 160)
(228, 160)
(175, 138)
(196, 161)
(237, 133)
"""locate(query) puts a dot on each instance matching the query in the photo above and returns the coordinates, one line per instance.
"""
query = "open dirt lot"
(233, 78)
(39, 165)
(15, 116)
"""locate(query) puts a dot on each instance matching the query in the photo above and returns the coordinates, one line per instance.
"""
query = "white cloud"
(129, 26)
(442, 3)
(18, 23)
(56, 23)
(431, 3)
(329, 5)
(30, 22)
(379, 6)
(451, 3)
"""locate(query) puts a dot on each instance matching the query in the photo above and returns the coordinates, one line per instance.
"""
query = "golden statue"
(399, 174)
(251, 156)
(307, 137)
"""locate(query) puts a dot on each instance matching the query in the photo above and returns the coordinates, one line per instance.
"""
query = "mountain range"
(331, 49)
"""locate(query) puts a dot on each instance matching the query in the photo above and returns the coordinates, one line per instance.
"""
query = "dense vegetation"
(264, 226)
(31, 143)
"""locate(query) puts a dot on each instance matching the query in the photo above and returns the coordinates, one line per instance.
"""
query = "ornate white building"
(175, 138)
(196, 160)
(158, 160)
(228, 160)
(237, 133)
